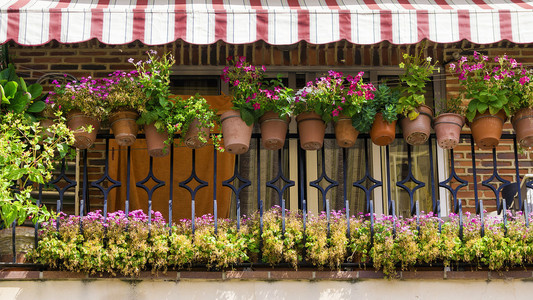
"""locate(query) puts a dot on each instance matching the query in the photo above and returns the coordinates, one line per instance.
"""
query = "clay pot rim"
(286, 119)
(522, 110)
(76, 112)
(436, 122)
(420, 113)
(308, 115)
(486, 115)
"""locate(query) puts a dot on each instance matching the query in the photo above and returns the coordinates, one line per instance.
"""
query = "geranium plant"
(417, 72)
(487, 84)
(523, 88)
(356, 103)
(246, 83)
(276, 97)
(323, 96)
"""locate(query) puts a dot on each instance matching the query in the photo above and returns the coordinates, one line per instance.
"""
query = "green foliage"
(184, 112)
(386, 102)
(124, 92)
(417, 73)
(17, 97)
(154, 78)
(128, 245)
(27, 153)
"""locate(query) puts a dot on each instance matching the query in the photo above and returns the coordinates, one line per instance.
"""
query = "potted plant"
(276, 105)
(154, 78)
(314, 106)
(194, 118)
(416, 116)
(522, 108)
(488, 89)
(124, 100)
(384, 106)
(449, 123)
(353, 113)
(82, 101)
(245, 82)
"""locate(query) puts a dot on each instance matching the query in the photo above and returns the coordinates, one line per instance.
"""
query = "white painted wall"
(114, 289)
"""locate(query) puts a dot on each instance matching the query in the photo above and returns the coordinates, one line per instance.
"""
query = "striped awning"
(279, 22)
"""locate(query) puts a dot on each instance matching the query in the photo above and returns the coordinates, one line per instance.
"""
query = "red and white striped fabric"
(279, 22)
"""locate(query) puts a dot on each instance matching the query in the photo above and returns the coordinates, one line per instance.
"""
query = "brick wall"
(95, 59)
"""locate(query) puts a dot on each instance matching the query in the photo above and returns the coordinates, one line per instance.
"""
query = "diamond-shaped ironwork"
(159, 183)
(495, 175)
(70, 183)
(323, 177)
(237, 191)
(201, 183)
(447, 184)
(280, 177)
(97, 184)
(410, 177)
(367, 178)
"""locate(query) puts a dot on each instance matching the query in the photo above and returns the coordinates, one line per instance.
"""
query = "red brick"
(200, 275)
(294, 275)
(16, 274)
(368, 274)
(336, 275)
(476, 275)
(63, 275)
(243, 275)
(422, 275)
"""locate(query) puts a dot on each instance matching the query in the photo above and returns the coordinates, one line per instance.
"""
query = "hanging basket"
(345, 133)
(155, 141)
(487, 129)
(416, 132)
(78, 123)
(311, 129)
(235, 132)
(124, 127)
(273, 130)
(523, 126)
(448, 128)
(382, 132)
(192, 137)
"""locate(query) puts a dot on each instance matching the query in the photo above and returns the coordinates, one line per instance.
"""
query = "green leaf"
(247, 117)
(10, 89)
(36, 107)
(23, 85)
(35, 90)
(482, 107)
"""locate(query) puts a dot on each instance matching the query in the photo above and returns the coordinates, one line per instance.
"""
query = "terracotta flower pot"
(382, 132)
(196, 130)
(124, 126)
(416, 132)
(448, 129)
(78, 123)
(273, 130)
(155, 141)
(487, 129)
(345, 133)
(235, 132)
(523, 126)
(311, 129)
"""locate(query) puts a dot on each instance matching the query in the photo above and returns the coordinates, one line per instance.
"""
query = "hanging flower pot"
(416, 132)
(79, 124)
(124, 127)
(382, 132)
(487, 129)
(235, 132)
(195, 131)
(523, 126)
(155, 141)
(345, 133)
(448, 128)
(311, 129)
(273, 130)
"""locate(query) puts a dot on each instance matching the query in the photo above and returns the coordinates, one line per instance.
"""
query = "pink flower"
(256, 106)
(236, 83)
(524, 80)
(335, 113)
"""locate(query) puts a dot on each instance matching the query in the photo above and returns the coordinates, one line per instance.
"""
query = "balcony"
(366, 181)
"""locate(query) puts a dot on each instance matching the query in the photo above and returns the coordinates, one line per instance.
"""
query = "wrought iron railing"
(324, 183)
